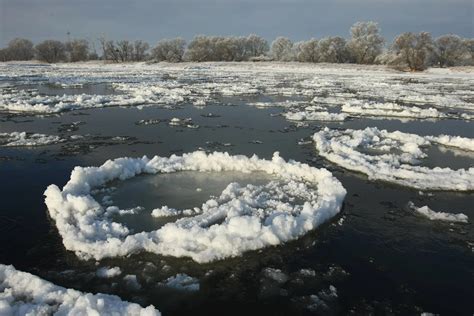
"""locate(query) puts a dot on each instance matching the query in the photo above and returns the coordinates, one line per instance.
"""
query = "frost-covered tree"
(20, 49)
(366, 43)
(50, 51)
(256, 46)
(282, 49)
(469, 44)
(77, 50)
(200, 49)
(333, 49)
(306, 51)
(450, 50)
(412, 51)
(171, 50)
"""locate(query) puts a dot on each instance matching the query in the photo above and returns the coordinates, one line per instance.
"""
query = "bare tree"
(50, 51)
(220, 48)
(412, 51)
(77, 50)
(450, 50)
(140, 49)
(282, 49)
(20, 49)
(171, 50)
(5, 54)
(366, 42)
(333, 50)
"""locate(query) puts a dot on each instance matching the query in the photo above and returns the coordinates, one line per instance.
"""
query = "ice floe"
(26, 294)
(394, 157)
(242, 218)
(182, 281)
(23, 139)
(438, 216)
(368, 91)
(106, 272)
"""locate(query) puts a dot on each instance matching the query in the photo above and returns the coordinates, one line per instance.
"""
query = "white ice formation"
(242, 218)
(394, 157)
(438, 216)
(23, 139)
(22, 293)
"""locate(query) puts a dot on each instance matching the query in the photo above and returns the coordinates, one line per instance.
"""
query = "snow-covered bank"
(438, 216)
(393, 157)
(23, 139)
(239, 220)
(25, 294)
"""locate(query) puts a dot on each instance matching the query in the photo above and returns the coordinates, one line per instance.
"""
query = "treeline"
(409, 51)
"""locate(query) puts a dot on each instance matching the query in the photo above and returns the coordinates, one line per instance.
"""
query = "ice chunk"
(239, 220)
(394, 157)
(182, 281)
(25, 294)
(438, 216)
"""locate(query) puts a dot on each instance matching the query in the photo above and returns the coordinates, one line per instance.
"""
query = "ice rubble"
(106, 272)
(390, 109)
(438, 216)
(25, 294)
(434, 94)
(393, 157)
(182, 281)
(239, 220)
(18, 139)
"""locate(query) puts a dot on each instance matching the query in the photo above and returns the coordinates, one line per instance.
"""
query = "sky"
(297, 19)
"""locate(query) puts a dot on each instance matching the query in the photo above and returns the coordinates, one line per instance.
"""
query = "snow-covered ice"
(242, 218)
(26, 294)
(394, 157)
(438, 216)
(23, 139)
(347, 89)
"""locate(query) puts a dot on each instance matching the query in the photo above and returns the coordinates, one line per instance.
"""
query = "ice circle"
(242, 218)
(394, 157)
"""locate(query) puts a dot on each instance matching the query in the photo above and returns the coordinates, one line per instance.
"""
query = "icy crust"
(351, 88)
(314, 113)
(393, 157)
(438, 216)
(241, 219)
(19, 139)
(360, 108)
(26, 294)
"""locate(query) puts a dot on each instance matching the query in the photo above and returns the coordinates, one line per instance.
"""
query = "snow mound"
(25, 294)
(23, 139)
(438, 216)
(393, 157)
(239, 220)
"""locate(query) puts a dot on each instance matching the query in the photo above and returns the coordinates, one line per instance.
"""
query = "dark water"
(383, 259)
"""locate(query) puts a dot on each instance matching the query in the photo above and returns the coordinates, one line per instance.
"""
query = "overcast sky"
(298, 19)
